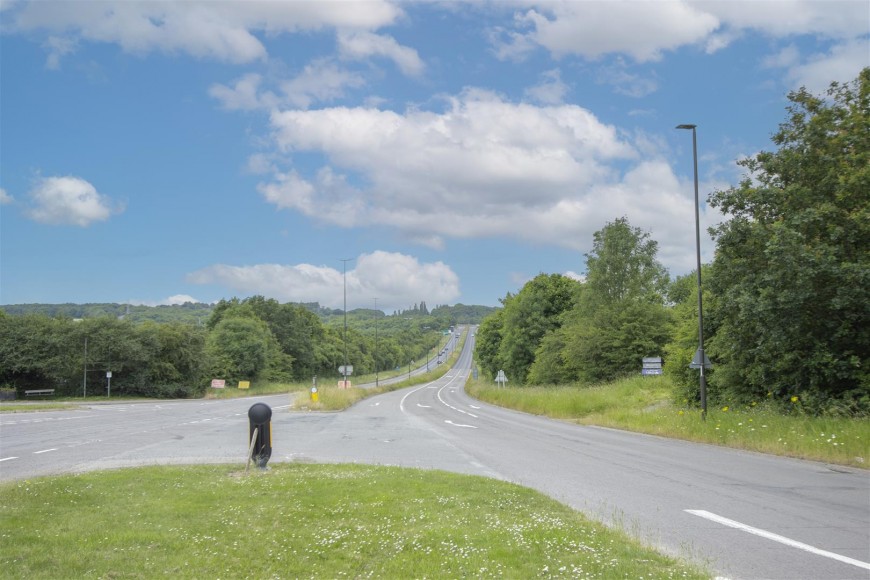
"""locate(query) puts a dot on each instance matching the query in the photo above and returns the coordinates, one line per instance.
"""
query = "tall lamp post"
(700, 360)
(344, 264)
(376, 343)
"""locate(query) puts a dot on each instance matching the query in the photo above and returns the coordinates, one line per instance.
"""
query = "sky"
(390, 152)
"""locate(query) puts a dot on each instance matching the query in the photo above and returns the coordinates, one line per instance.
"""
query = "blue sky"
(156, 153)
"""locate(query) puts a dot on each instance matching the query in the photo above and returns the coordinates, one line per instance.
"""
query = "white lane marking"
(446, 404)
(44, 451)
(424, 406)
(449, 422)
(474, 406)
(777, 538)
(375, 404)
(8, 458)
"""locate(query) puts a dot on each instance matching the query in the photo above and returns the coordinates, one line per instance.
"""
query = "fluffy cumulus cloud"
(483, 167)
(396, 280)
(645, 31)
(68, 201)
(5, 197)
(225, 31)
(363, 44)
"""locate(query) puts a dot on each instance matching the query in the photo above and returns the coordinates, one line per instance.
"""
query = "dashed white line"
(8, 458)
(44, 451)
(777, 538)
(424, 406)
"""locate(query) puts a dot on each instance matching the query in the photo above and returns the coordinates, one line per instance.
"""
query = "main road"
(745, 515)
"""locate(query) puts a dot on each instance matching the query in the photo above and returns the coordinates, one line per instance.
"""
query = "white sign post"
(500, 379)
(109, 385)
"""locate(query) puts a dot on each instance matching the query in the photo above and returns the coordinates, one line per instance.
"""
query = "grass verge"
(303, 520)
(644, 404)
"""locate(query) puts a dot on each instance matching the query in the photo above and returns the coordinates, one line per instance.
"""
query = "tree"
(792, 265)
(621, 316)
(535, 311)
(487, 341)
(622, 266)
(239, 348)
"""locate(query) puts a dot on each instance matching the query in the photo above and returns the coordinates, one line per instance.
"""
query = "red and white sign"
(218, 383)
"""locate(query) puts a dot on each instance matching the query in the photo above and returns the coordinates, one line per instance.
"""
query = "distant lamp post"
(344, 370)
(700, 360)
(376, 343)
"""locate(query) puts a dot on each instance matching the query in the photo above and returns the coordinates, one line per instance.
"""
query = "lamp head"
(686, 126)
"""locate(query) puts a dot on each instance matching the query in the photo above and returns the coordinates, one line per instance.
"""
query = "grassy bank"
(298, 520)
(644, 404)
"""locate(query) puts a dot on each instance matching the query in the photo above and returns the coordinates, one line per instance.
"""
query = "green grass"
(303, 520)
(22, 407)
(644, 404)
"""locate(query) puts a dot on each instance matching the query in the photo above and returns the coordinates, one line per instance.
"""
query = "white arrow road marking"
(459, 424)
(777, 538)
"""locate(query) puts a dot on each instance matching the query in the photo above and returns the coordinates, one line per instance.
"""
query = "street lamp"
(376, 343)
(344, 264)
(700, 361)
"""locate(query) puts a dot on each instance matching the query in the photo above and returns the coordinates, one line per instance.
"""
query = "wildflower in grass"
(681, 413)
(725, 408)
(794, 399)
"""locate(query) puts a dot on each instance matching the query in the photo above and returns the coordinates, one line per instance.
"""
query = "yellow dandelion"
(725, 408)
(681, 413)
(794, 399)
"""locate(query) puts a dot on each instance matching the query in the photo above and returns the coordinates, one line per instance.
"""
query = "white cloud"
(320, 81)
(68, 200)
(362, 45)
(466, 172)
(551, 90)
(484, 167)
(841, 64)
(783, 18)
(223, 31)
(5, 198)
(643, 30)
(176, 299)
(396, 280)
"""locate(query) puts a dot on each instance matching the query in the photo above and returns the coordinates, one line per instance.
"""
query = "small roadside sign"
(345, 370)
(696, 360)
(652, 365)
(218, 383)
(500, 378)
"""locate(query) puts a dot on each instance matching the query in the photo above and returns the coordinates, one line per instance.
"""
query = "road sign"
(696, 360)
(343, 368)
(500, 378)
(652, 365)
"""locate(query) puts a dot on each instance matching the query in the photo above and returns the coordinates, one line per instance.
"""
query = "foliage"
(792, 266)
(487, 342)
(622, 266)
(535, 311)
(680, 351)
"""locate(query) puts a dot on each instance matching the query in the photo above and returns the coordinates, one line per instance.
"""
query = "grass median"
(304, 520)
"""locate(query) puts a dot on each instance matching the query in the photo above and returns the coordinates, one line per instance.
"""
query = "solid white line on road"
(44, 451)
(448, 421)
(8, 458)
(777, 538)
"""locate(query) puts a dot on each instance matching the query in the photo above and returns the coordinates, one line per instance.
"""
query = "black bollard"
(260, 418)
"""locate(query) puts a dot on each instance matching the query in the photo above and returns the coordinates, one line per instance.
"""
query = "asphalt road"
(745, 515)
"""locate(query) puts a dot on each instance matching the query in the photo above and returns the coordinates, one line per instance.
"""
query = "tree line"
(252, 339)
(786, 309)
